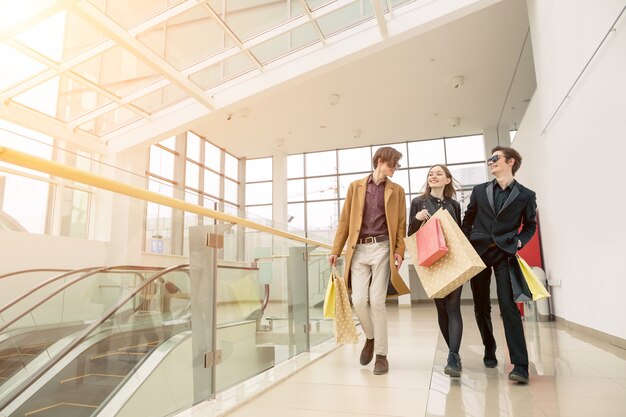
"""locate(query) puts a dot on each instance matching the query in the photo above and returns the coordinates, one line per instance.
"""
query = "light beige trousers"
(369, 271)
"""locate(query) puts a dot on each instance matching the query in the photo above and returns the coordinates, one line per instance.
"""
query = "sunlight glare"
(16, 12)
(47, 37)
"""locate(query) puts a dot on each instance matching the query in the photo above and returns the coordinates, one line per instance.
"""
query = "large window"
(190, 168)
(259, 189)
(51, 205)
(318, 182)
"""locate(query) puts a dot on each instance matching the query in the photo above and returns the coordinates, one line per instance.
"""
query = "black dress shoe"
(367, 354)
(490, 360)
(519, 374)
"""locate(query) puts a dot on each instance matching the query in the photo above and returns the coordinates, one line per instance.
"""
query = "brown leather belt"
(372, 239)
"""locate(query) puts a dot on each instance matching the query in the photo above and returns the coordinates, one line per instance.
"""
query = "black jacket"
(432, 204)
(483, 226)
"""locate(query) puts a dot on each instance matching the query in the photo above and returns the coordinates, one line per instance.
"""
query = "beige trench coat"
(350, 224)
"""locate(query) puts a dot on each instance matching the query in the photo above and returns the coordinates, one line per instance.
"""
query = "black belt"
(372, 239)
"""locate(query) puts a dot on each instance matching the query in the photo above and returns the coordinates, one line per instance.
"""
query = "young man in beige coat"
(373, 222)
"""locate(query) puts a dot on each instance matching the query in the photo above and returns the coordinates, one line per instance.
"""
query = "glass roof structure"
(88, 68)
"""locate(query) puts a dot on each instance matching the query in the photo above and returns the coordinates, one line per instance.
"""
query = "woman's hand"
(422, 215)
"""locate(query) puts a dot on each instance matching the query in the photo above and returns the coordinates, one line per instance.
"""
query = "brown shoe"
(382, 366)
(367, 354)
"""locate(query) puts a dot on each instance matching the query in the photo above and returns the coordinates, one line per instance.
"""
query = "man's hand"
(398, 260)
(332, 260)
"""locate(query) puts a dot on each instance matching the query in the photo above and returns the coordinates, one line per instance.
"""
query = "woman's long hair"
(449, 191)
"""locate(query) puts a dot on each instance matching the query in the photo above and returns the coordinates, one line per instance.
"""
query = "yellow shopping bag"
(534, 283)
(345, 331)
(329, 299)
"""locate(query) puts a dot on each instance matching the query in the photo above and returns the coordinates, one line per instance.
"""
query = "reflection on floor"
(571, 375)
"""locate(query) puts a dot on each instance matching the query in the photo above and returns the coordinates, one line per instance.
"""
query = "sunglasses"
(494, 159)
(396, 165)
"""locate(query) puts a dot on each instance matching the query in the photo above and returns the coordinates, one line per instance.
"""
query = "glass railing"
(251, 299)
(100, 327)
(319, 273)
(16, 283)
(31, 288)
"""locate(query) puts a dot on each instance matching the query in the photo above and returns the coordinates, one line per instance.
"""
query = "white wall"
(576, 166)
(28, 251)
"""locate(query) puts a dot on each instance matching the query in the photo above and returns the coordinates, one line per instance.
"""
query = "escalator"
(88, 378)
(20, 344)
(38, 322)
(76, 375)
(20, 347)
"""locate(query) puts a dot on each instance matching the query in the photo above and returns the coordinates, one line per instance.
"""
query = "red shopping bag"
(431, 245)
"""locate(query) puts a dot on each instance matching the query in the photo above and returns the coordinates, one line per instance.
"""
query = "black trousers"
(513, 329)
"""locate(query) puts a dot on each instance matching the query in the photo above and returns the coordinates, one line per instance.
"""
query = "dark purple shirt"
(374, 221)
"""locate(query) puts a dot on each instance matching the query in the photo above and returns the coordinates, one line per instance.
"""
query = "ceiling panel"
(187, 38)
(110, 121)
(118, 71)
(130, 13)
(248, 18)
(16, 67)
(160, 99)
(222, 71)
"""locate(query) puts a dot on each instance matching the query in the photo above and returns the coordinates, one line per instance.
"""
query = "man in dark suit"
(492, 223)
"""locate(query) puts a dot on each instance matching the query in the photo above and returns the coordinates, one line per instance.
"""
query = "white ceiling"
(396, 93)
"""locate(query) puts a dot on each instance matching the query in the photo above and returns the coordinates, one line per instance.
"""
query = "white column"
(125, 214)
(495, 136)
(279, 189)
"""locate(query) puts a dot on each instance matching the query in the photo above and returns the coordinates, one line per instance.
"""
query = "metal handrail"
(83, 335)
(68, 284)
(43, 284)
(26, 271)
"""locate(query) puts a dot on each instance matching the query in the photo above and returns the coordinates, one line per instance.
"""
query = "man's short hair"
(386, 154)
(508, 154)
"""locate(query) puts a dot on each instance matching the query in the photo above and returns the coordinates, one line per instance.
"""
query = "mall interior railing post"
(204, 245)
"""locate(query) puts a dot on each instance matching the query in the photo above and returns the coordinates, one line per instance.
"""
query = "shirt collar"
(508, 187)
(371, 179)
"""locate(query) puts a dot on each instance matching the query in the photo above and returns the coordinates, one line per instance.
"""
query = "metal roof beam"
(24, 116)
(101, 21)
(270, 34)
(320, 35)
(380, 17)
(232, 35)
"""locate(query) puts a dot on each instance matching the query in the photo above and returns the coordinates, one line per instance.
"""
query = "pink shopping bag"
(431, 244)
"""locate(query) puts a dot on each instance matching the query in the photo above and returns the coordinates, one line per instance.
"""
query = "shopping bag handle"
(428, 217)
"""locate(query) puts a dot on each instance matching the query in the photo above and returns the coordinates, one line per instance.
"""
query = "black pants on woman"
(450, 321)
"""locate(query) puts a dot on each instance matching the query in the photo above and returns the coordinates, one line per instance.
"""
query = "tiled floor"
(571, 375)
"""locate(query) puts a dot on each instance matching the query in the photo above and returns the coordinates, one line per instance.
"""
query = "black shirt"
(432, 204)
(501, 195)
